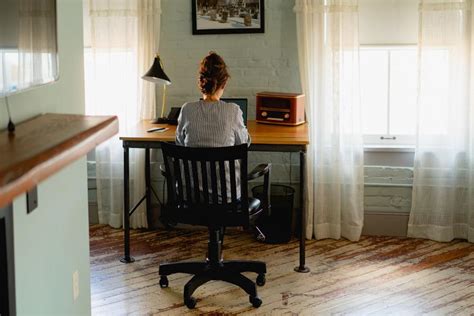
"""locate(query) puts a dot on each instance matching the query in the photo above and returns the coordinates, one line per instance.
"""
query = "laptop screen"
(242, 103)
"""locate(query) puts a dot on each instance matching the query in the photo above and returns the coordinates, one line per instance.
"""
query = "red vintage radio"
(280, 108)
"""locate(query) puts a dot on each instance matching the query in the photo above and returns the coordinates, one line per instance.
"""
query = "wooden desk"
(270, 138)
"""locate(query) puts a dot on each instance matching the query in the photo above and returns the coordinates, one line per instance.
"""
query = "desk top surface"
(262, 134)
(44, 145)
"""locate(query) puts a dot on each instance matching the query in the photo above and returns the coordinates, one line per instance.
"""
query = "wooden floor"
(375, 276)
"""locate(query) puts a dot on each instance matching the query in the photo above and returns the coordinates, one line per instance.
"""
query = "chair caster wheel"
(190, 302)
(163, 281)
(261, 279)
(255, 301)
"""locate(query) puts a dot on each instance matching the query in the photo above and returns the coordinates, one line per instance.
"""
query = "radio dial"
(287, 116)
(264, 114)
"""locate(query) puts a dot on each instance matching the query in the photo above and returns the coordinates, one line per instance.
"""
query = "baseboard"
(376, 223)
(93, 213)
(385, 224)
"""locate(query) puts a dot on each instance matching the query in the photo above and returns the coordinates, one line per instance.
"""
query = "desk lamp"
(156, 74)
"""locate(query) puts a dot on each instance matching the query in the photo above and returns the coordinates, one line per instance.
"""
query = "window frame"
(392, 141)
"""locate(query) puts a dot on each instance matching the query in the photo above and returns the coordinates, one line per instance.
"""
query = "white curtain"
(443, 197)
(37, 45)
(121, 39)
(328, 48)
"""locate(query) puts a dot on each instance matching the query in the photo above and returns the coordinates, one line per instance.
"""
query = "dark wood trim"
(7, 267)
(242, 30)
(253, 147)
(46, 144)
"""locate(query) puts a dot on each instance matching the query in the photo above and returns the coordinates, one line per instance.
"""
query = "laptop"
(242, 103)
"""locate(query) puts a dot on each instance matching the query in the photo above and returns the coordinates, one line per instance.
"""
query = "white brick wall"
(257, 62)
(388, 189)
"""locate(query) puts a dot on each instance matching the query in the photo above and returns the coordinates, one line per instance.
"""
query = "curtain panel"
(443, 197)
(328, 48)
(123, 38)
(37, 46)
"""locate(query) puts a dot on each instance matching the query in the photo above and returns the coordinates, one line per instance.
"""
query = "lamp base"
(164, 120)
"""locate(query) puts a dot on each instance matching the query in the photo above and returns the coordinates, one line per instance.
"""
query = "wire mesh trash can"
(277, 226)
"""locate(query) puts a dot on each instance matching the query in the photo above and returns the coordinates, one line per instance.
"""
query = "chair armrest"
(259, 171)
(163, 171)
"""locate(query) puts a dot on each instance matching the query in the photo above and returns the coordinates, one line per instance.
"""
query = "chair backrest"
(207, 186)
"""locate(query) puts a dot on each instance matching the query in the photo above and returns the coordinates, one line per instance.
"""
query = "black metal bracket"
(31, 200)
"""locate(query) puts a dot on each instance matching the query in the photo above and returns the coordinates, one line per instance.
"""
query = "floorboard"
(375, 276)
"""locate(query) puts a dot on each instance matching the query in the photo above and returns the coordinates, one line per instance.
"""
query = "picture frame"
(228, 16)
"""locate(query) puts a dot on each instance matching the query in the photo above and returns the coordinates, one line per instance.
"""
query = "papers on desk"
(157, 130)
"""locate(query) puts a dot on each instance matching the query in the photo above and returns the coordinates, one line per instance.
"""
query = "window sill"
(389, 148)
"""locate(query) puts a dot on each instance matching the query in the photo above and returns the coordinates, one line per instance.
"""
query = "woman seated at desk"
(211, 122)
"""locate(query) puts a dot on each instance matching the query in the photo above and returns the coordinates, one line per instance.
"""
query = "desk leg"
(302, 268)
(126, 207)
(149, 217)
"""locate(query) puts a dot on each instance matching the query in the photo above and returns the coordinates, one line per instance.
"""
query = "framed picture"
(228, 16)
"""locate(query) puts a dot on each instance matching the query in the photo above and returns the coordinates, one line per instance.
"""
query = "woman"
(211, 122)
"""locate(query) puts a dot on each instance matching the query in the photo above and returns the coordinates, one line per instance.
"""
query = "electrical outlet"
(75, 285)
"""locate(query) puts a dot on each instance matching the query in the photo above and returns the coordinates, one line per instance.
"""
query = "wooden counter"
(44, 145)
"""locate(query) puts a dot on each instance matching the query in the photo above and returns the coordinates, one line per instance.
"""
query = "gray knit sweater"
(211, 124)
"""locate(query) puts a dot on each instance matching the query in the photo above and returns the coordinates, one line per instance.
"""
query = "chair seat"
(254, 205)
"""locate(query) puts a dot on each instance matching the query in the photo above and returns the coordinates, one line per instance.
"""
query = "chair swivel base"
(228, 271)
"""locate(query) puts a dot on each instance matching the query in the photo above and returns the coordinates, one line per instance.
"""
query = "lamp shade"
(156, 73)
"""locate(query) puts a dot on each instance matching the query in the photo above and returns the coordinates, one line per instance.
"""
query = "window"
(20, 70)
(8, 71)
(388, 77)
(107, 72)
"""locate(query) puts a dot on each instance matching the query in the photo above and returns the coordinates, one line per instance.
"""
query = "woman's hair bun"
(213, 74)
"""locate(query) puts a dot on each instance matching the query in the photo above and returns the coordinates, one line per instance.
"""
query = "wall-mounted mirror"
(28, 44)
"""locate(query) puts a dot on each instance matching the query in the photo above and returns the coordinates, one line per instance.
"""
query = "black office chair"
(203, 186)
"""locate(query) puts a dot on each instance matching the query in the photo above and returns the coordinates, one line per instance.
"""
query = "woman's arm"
(241, 133)
(180, 128)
